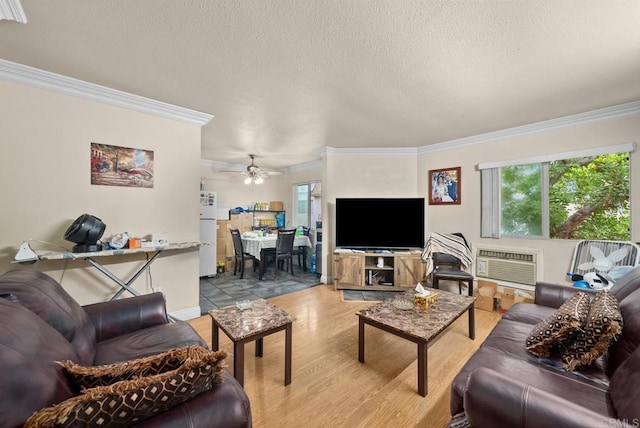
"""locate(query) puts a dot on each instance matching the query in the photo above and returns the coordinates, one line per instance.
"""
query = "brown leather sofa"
(502, 385)
(40, 323)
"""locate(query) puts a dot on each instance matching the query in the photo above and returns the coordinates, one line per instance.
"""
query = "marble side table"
(246, 325)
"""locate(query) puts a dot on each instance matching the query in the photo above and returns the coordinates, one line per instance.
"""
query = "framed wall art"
(121, 166)
(444, 186)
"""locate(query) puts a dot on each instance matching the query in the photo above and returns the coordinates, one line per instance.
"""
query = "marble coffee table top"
(240, 323)
(419, 322)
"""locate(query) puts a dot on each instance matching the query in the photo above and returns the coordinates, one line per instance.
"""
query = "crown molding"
(236, 167)
(392, 151)
(241, 168)
(303, 166)
(11, 10)
(594, 116)
(221, 165)
(19, 73)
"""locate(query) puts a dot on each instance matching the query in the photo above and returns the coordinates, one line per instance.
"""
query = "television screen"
(380, 223)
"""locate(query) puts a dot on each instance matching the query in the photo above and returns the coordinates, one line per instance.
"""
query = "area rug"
(366, 295)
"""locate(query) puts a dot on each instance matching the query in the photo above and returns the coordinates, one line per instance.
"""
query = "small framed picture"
(444, 186)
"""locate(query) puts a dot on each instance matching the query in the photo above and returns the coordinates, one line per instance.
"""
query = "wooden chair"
(301, 250)
(283, 252)
(448, 267)
(240, 256)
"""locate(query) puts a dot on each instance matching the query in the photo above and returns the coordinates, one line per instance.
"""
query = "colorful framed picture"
(444, 186)
(121, 166)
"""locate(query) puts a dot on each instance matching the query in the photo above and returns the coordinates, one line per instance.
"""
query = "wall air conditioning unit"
(512, 265)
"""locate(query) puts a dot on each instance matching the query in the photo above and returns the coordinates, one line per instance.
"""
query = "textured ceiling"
(286, 78)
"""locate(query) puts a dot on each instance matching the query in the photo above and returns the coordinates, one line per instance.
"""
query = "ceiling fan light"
(247, 180)
(258, 180)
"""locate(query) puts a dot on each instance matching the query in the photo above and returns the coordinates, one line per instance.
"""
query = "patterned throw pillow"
(603, 326)
(89, 377)
(130, 401)
(563, 324)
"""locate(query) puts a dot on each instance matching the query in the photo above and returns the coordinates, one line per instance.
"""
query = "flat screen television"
(380, 223)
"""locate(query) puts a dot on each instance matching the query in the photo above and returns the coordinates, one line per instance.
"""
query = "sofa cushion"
(504, 351)
(629, 340)
(508, 337)
(562, 325)
(146, 342)
(623, 389)
(90, 377)
(42, 295)
(130, 401)
(30, 379)
(224, 405)
(528, 313)
(546, 374)
(604, 324)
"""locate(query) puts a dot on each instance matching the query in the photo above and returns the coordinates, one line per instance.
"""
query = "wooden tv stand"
(355, 270)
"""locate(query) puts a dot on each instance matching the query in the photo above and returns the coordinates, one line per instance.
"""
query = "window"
(302, 205)
(522, 204)
(306, 204)
(585, 196)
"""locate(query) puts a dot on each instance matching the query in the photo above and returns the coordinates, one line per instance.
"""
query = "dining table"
(255, 242)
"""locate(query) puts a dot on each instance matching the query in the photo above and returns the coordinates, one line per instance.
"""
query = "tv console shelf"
(360, 270)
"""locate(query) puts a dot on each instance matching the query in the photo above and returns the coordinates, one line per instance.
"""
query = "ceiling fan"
(254, 174)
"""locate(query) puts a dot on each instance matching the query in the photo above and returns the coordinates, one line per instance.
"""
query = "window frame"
(491, 187)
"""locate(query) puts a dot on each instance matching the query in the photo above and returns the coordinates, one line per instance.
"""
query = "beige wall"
(360, 175)
(374, 176)
(465, 218)
(45, 182)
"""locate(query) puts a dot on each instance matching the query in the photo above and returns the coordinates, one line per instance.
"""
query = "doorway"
(307, 204)
(307, 207)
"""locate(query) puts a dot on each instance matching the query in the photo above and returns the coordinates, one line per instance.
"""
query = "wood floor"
(329, 387)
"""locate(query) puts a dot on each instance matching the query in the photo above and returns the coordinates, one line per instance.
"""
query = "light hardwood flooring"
(329, 387)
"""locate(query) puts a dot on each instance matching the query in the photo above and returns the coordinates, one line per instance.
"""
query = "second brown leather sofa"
(503, 385)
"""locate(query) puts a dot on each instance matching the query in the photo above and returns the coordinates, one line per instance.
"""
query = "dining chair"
(240, 256)
(283, 251)
(449, 268)
(301, 250)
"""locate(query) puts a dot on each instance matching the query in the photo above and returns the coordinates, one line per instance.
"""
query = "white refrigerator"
(208, 231)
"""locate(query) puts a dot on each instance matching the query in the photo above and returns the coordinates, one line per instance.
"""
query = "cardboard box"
(485, 295)
(276, 206)
(507, 299)
(523, 296)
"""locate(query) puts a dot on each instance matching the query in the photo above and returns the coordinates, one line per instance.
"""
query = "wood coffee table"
(254, 323)
(418, 325)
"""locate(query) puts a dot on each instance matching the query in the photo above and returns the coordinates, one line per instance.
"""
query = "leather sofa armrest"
(554, 295)
(117, 317)
(495, 400)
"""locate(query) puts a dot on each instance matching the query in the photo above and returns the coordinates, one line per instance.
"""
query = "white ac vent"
(518, 266)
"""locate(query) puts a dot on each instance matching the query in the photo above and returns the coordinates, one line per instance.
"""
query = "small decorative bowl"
(243, 304)
(402, 304)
